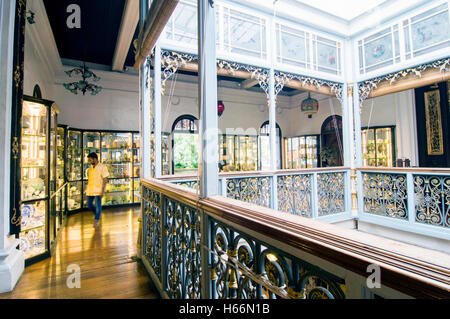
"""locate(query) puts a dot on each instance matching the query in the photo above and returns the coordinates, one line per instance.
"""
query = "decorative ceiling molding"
(369, 87)
(172, 61)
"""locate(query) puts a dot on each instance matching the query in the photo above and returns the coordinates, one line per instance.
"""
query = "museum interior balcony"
(273, 154)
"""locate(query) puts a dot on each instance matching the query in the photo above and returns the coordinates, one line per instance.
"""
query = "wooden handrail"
(258, 173)
(415, 271)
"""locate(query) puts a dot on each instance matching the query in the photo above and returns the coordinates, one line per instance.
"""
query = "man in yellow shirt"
(97, 175)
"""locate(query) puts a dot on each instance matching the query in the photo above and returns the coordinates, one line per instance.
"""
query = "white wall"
(244, 110)
(396, 109)
(109, 110)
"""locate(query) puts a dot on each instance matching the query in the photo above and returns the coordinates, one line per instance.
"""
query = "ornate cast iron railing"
(314, 193)
(223, 248)
(418, 196)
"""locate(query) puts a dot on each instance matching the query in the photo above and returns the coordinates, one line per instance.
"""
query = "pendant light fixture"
(310, 106)
(220, 108)
(83, 85)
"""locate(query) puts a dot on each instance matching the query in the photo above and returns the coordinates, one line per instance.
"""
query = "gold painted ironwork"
(435, 144)
(15, 148)
(16, 220)
(295, 294)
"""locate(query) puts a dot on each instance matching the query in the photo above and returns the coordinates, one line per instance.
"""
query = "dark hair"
(93, 156)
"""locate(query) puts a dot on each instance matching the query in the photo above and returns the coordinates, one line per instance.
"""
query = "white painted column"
(145, 124)
(11, 259)
(272, 122)
(347, 126)
(157, 109)
(207, 96)
(357, 121)
(406, 126)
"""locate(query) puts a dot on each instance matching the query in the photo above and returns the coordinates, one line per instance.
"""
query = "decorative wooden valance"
(407, 79)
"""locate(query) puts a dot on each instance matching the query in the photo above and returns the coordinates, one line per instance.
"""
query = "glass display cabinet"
(165, 160)
(378, 145)
(118, 150)
(61, 196)
(227, 161)
(302, 152)
(246, 153)
(137, 168)
(38, 178)
(74, 169)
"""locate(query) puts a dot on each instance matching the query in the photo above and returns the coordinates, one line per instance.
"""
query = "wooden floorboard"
(106, 257)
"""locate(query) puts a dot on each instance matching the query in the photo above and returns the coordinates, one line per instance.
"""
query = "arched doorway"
(37, 92)
(264, 146)
(331, 153)
(185, 145)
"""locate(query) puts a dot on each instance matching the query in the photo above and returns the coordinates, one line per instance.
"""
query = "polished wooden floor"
(105, 256)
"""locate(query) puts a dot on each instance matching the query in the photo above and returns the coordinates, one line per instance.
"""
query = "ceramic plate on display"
(24, 244)
(27, 213)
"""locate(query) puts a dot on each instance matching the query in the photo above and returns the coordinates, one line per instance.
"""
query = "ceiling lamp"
(83, 85)
(310, 106)
(220, 108)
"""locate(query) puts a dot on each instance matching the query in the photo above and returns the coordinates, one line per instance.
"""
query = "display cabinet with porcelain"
(38, 179)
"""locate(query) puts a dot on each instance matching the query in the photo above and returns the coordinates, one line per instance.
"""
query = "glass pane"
(118, 192)
(136, 190)
(295, 153)
(91, 141)
(165, 154)
(117, 154)
(265, 151)
(74, 196)
(33, 215)
(185, 153)
(384, 147)
(302, 152)
(34, 151)
(137, 155)
(74, 149)
(378, 48)
(246, 34)
(60, 157)
(430, 32)
(311, 151)
(32, 242)
(368, 145)
(252, 153)
(293, 46)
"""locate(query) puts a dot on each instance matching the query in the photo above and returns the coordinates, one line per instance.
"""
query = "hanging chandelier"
(310, 106)
(83, 85)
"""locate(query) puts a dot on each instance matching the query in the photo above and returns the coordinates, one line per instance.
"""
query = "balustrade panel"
(331, 193)
(152, 228)
(183, 268)
(295, 194)
(432, 200)
(255, 190)
(385, 194)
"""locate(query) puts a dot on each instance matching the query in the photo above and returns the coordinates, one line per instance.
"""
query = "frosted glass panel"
(292, 46)
(430, 31)
(244, 34)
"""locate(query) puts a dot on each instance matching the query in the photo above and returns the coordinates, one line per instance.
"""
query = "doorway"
(432, 110)
(331, 153)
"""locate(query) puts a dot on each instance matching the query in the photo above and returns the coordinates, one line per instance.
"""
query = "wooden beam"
(248, 83)
(157, 18)
(294, 84)
(410, 81)
(130, 20)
